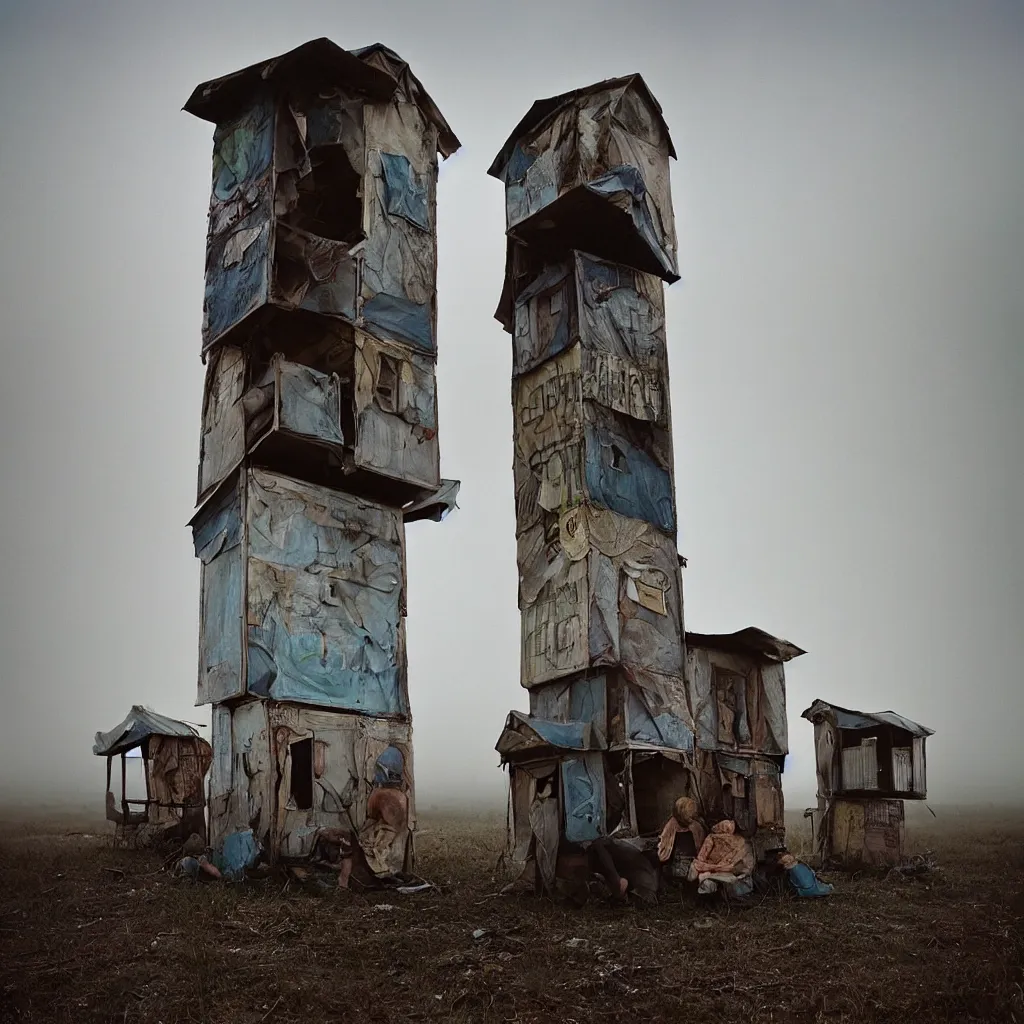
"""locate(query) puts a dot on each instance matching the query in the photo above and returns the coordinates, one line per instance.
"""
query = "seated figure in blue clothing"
(803, 880)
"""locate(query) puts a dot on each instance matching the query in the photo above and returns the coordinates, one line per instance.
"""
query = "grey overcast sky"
(846, 347)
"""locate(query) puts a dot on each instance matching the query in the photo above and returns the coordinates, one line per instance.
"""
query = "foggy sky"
(845, 355)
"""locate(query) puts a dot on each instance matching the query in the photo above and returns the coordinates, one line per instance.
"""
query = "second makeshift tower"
(319, 441)
(591, 239)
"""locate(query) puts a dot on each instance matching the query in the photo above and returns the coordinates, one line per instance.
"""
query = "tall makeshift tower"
(625, 713)
(319, 437)
(591, 239)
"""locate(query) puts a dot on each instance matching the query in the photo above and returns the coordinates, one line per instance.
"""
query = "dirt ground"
(88, 933)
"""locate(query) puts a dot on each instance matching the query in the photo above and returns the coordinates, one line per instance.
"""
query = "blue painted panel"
(324, 598)
(335, 295)
(243, 149)
(524, 355)
(219, 525)
(405, 191)
(583, 797)
(627, 180)
(587, 702)
(518, 164)
(567, 735)
(396, 318)
(296, 667)
(235, 291)
(627, 480)
(310, 403)
(240, 851)
(217, 537)
(662, 730)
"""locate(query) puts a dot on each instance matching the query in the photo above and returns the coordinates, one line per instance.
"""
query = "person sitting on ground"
(683, 834)
(802, 877)
(724, 856)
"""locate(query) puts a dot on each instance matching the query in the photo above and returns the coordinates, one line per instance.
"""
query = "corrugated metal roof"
(324, 63)
(844, 718)
(747, 641)
(140, 723)
(543, 109)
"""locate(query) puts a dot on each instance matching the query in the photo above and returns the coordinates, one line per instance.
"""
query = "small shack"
(175, 760)
(868, 764)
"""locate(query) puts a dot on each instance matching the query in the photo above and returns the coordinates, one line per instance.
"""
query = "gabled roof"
(751, 641)
(140, 724)
(855, 720)
(526, 733)
(324, 63)
(543, 109)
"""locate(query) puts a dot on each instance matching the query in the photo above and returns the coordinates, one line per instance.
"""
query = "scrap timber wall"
(319, 434)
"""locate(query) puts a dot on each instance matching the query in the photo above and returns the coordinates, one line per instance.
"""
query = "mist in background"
(846, 355)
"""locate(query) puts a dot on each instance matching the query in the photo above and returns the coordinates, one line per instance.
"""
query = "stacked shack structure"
(319, 437)
(868, 764)
(623, 719)
(173, 760)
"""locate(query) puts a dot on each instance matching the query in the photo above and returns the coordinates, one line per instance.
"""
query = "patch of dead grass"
(80, 943)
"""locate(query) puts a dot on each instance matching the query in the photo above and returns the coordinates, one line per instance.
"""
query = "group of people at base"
(701, 861)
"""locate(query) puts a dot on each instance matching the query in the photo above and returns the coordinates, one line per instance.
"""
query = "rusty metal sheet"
(869, 832)
(738, 701)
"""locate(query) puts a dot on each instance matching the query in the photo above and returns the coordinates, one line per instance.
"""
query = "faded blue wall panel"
(583, 797)
(283, 666)
(625, 185)
(627, 480)
(335, 295)
(405, 192)
(217, 537)
(588, 702)
(662, 730)
(310, 403)
(528, 353)
(325, 584)
(394, 317)
(234, 291)
(242, 150)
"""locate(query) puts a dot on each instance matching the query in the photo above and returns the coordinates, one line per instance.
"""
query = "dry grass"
(80, 943)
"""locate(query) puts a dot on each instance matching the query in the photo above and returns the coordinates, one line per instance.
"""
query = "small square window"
(387, 383)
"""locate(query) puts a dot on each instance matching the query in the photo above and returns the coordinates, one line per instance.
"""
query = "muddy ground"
(88, 933)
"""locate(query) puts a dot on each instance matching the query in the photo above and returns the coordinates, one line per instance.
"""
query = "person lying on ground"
(624, 868)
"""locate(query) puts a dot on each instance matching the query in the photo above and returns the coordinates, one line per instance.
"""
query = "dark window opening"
(301, 754)
(657, 783)
(329, 204)
(387, 384)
